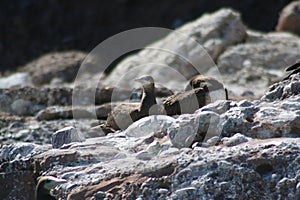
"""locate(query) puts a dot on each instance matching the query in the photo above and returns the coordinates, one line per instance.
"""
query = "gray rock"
(276, 122)
(16, 151)
(184, 193)
(258, 62)
(212, 141)
(190, 128)
(214, 32)
(237, 120)
(154, 147)
(62, 65)
(65, 136)
(235, 140)
(144, 155)
(25, 107)
(20, 79)
(218, 107)
(283, 89)
(148, 126)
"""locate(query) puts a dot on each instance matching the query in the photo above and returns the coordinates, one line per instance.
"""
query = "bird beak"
(139, 80)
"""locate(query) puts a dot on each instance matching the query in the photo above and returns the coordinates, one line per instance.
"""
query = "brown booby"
(198, 93)
(293, 69)
(206, 82)
(45, 185)
(186, 102)
(125, 114)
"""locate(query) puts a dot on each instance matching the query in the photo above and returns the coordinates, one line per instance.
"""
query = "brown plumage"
(186, 102)
(208, 83)
(125, 114)
(45, 185)
(200, 91)
(295, 68)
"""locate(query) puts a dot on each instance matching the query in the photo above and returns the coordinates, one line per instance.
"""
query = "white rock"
(144, 155)
(235, 140)
(154, 147)
(148, 126)
(17, 79)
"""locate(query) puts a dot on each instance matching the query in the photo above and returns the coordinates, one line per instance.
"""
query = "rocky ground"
(246, 147)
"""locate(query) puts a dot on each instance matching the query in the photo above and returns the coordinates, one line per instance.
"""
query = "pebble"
(144, 155)
(65, 136)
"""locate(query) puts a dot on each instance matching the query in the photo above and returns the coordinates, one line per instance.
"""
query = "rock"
(154, 147)
(21, 106)
(80, 112)
(190, 128)
(205, 172)
(149, 126)
(30, 100)
(238, 120)
(218, 107)
(20, 79)
(25, 107)
(16, 151)
(258, 62)
(22, 134)
(289, 19)
(144, 155)
(283, 89)
(65, 136)
(63, 65)
(211, 141)
(184, 193)
(273, 121)
(214, 31)
(235, 140)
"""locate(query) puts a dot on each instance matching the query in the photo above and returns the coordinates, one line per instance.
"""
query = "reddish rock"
(290, 18)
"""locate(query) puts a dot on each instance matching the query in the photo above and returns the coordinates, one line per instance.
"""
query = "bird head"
(145, 80)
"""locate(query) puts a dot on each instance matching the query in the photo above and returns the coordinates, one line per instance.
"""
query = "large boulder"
(185, 52)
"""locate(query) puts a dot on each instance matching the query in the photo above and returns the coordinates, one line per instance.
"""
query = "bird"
(208, 83)
(293, 69)
(125, 114)
(186, 102)
(45, 185)
(200, 91)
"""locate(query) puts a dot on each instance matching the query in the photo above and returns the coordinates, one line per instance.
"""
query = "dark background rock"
(31, 28)
(290, 18)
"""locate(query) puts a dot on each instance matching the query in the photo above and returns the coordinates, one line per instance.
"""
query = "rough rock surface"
(110, 167)
(162, 157)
